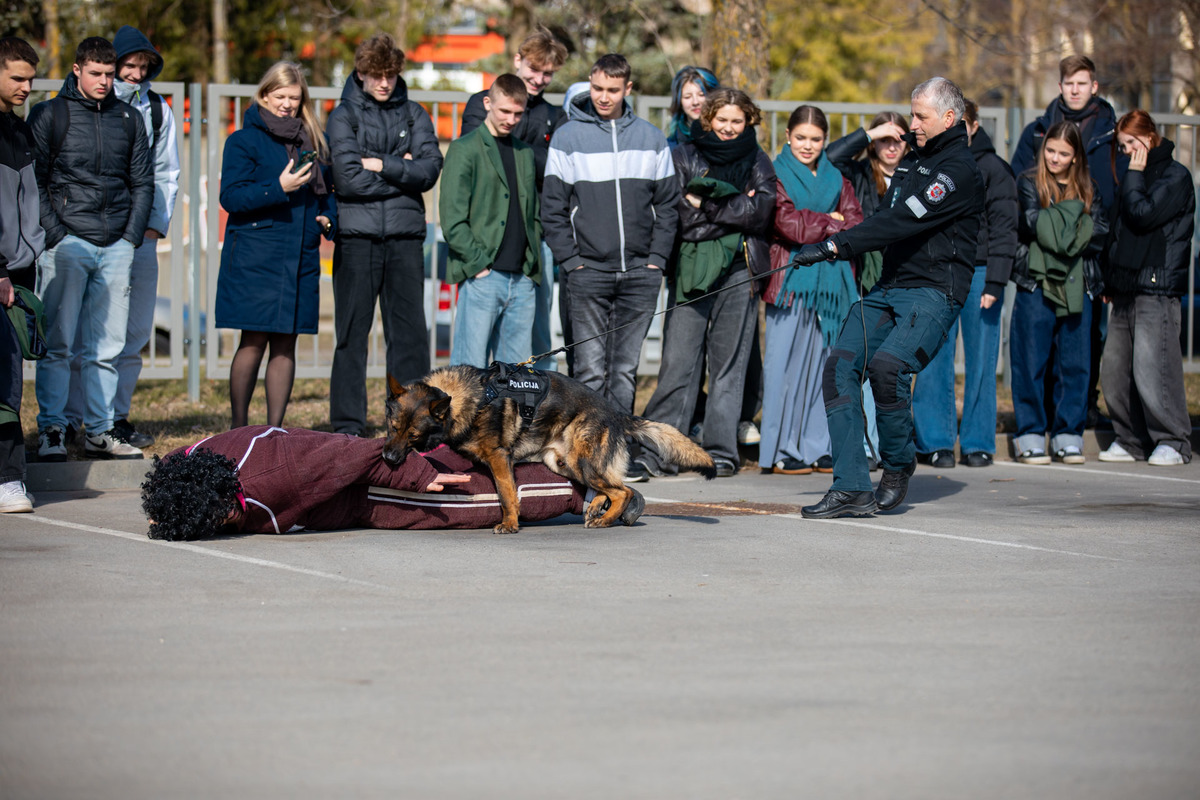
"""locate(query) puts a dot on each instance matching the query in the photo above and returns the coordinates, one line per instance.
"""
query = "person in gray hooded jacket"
(609, 213)
(385, 156)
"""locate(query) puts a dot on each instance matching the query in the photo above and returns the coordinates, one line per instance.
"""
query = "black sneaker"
(636, 473)
(979, 459)
(791, 466)
(131, 435)
(824, 464)
(725, 467)
(637, 504)
(51, 448)
(942, 459)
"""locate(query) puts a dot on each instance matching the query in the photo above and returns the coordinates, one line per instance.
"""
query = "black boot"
(837, 503)
(893, 486)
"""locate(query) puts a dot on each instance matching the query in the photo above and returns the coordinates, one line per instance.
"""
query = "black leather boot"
(893, 486)
(837, 503)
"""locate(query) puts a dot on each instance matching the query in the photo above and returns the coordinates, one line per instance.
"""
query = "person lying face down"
(263, 479)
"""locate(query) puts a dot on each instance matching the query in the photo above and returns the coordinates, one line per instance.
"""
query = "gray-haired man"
(927, 230)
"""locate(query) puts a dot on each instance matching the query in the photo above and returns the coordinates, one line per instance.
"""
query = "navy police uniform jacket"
(929, 223)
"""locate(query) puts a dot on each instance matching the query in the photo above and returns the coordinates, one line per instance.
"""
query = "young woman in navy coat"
(275, 187)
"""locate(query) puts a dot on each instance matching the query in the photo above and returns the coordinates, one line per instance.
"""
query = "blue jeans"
(935, 418)
(143, 292)
(610, 315)
(495, 314)
(904, 330)
(85, 289)
(1034, 329)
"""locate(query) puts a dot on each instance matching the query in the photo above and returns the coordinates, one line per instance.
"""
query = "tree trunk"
(53, 39)
(220, 42)
(520, 24)
(740, 45)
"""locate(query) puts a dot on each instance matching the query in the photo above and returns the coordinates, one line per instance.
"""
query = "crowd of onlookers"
(1092, 222)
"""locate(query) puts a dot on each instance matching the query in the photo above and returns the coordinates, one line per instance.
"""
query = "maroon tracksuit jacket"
(298, 479)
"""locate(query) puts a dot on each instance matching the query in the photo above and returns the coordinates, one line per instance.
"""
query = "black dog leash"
(567, 347)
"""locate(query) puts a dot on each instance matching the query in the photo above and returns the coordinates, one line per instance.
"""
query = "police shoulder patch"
(936, 192)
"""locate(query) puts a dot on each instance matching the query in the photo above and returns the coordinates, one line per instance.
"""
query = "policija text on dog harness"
(523, 384)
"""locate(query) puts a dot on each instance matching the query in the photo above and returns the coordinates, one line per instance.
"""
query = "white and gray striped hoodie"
(610, 196)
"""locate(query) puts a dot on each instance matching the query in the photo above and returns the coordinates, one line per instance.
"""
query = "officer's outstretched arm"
(939, 199)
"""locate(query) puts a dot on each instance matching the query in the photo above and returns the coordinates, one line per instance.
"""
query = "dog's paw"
(502, 528)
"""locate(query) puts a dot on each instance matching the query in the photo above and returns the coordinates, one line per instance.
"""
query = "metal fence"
(190, 255)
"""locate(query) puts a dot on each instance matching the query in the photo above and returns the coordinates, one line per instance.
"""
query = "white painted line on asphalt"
(890, 528)
(258, 562)
(1086, 471)
(971, 539)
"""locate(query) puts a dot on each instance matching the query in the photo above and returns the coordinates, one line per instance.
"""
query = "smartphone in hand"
(306, 157)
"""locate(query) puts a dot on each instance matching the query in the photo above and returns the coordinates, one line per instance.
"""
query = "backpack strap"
(156, 116)
(60, 121)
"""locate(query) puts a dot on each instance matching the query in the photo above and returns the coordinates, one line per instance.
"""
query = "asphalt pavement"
(1015, 631)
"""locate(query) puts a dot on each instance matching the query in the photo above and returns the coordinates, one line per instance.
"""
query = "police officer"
(929, 234)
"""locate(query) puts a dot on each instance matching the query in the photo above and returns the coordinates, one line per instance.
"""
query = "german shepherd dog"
(574, 430)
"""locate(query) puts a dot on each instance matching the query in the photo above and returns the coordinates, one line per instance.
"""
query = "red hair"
(1136, 123)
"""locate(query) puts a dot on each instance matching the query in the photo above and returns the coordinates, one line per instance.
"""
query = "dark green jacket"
(474, 205)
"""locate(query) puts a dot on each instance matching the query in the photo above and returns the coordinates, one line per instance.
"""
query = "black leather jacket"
(1027, 198)
(842, 154)
(751, 216)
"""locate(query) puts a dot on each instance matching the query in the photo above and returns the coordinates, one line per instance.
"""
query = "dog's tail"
(674, 447)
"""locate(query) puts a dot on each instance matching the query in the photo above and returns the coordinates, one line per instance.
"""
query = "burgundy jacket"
(297, 479)
(797, 226)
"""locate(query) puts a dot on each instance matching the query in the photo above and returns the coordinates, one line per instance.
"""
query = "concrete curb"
(74, 476)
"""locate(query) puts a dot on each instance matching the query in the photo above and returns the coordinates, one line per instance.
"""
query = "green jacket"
(474, 205)
(1056, 257)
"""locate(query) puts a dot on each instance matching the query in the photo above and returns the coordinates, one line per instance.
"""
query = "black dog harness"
(527, 386)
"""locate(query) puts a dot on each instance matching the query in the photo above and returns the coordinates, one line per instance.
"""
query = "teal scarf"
(828, 286)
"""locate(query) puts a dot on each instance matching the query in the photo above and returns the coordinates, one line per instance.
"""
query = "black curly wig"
(190, 496)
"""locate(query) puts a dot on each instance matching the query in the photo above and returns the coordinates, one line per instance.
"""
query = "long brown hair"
(288, 73)
(1078, 181)
(873, 158)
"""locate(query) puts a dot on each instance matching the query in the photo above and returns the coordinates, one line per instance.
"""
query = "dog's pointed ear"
(395, 388)
(440, 408)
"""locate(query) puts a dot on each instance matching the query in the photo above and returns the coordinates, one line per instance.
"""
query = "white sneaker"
(1116, 453)
(1165, 456)
(109, 444)
(747, 433)
(13, 499)
(51, 446)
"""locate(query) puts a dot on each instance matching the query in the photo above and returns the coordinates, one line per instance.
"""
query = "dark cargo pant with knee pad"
(904, 327)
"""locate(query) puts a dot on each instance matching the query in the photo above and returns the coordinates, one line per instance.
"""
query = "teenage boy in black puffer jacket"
(385, 156)
(95, 177)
